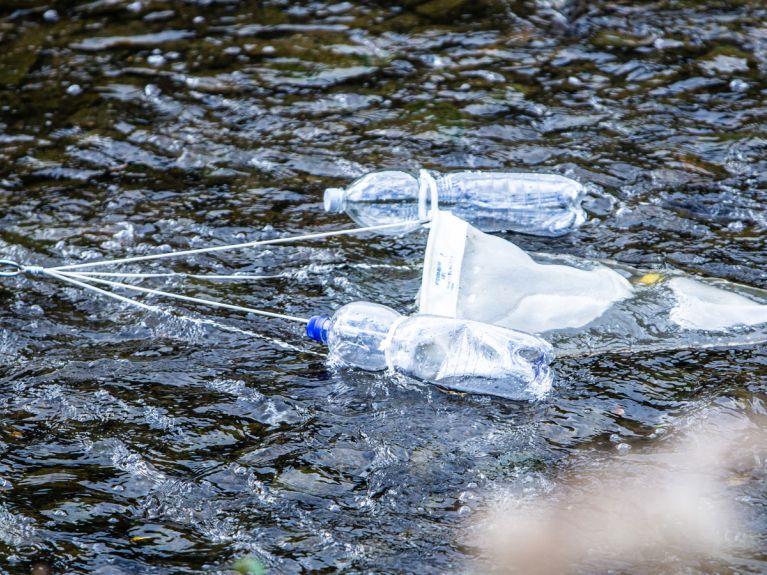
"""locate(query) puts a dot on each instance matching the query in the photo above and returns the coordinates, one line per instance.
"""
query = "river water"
(140, 442)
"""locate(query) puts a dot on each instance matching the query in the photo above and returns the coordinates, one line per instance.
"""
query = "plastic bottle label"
(442, 265)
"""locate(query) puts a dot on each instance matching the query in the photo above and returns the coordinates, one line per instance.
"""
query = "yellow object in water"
(650, 279)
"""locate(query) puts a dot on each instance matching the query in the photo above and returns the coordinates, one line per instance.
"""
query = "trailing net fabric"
(578, 305)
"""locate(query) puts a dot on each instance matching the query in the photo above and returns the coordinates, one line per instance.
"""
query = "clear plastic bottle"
(536, 204)
(355, 334)
(456, 354)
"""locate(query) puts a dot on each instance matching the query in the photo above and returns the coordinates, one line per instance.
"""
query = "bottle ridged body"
(538, 204)
(471, 357)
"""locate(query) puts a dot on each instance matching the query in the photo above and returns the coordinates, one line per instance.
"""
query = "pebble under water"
(180, 442)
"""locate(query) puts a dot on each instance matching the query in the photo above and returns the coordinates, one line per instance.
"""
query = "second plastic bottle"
(460, 355)
(537, 204)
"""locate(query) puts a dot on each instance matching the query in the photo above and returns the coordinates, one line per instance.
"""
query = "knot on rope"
(10, 268)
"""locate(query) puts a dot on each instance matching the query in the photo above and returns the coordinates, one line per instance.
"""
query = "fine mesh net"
(473, 275)
(581, 306)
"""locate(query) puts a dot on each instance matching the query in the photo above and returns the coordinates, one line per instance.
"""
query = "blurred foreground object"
(663, 511)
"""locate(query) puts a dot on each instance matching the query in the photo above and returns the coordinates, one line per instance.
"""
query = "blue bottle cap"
(318, 328)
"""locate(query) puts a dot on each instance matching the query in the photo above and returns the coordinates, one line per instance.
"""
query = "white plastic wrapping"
(581, 306)
(473, 275)
(442, 265)
(707, 307)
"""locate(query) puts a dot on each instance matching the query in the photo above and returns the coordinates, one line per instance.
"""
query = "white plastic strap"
(150, 275)
(427, 192)
(209, 249)
(74, 276)
(73, 280)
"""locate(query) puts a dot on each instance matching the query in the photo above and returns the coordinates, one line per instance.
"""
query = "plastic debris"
(537, 204)
(458, 355)
(582, 306)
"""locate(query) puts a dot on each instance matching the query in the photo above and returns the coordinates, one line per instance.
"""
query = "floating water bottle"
(460, 355)
(537, 204)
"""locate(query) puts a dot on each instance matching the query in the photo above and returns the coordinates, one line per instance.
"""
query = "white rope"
(69, 279)
(86, 279)
(270, 339)
(283, 344)
(244, 277)
(211, 303)
(255, 243)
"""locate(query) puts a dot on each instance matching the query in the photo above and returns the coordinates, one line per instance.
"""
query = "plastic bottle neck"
(319, 327)
(335, 200)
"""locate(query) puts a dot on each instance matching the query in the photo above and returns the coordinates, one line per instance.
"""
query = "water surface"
(133, 442)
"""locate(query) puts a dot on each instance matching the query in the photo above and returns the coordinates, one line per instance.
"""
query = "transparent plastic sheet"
(580, 306)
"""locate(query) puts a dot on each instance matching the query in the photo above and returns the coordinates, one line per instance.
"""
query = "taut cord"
(86, 279)
(256, 243)
(208, 302)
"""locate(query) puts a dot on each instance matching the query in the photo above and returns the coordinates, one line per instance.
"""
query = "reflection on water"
(139, 442)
